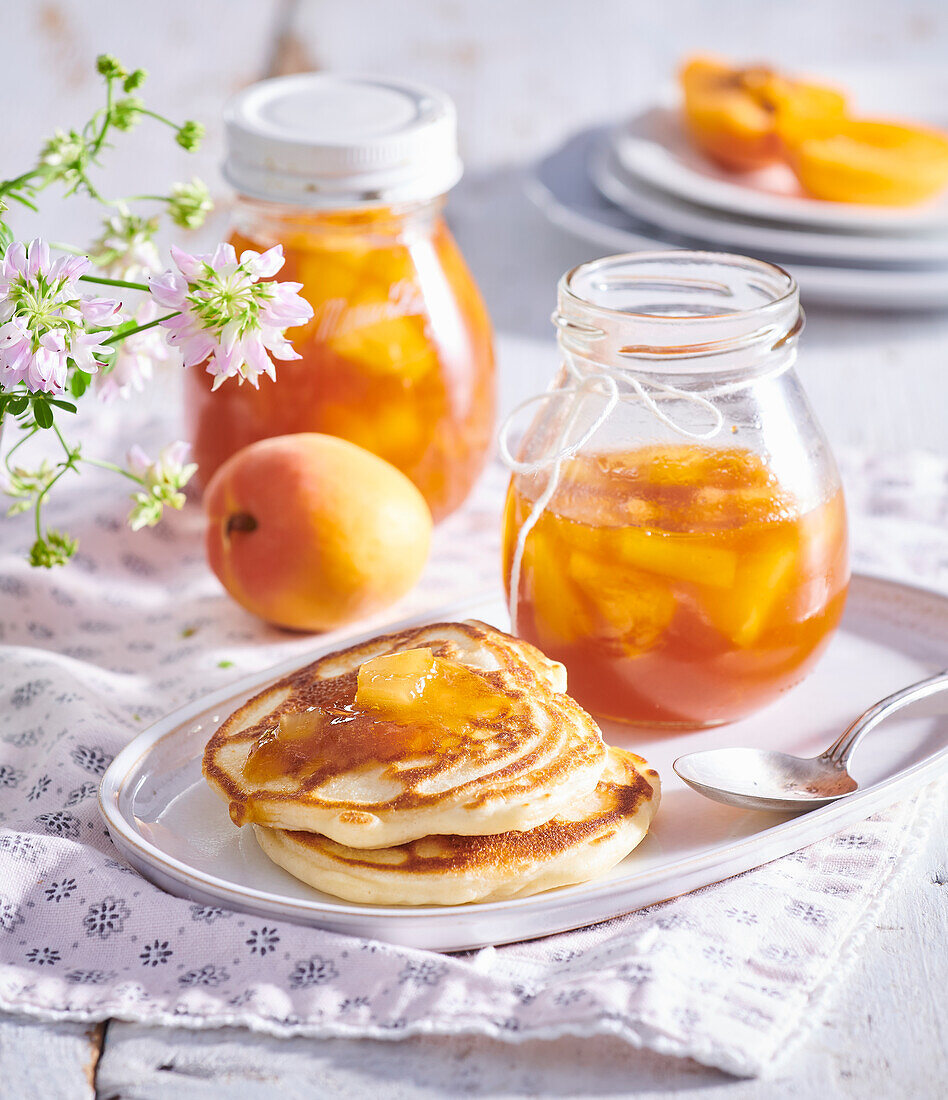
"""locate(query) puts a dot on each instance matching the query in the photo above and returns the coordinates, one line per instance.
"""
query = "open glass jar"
(675, 531)
(349, 175)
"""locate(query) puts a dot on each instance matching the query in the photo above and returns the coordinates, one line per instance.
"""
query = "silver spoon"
(759, 779)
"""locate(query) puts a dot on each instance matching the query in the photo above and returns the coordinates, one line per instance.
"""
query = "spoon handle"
(841, 750)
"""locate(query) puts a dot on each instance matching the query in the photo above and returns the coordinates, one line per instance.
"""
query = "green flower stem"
(72, 457)
(64, 466)
(119, 336)
(102, 281)
(161, 118)
(71, 454)
(19, 443)
(69, 464)
(148, 198)
(60, 247)
(106, 119)
(103, 465)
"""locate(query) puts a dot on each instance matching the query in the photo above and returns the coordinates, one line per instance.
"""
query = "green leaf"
(43, 414)
(6, 236)
(79, 382)
(19, 404)
(60, 404)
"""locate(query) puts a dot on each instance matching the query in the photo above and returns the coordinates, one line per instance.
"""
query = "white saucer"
(561, 186)
(653, 148)
(735, 233)
(164, 819)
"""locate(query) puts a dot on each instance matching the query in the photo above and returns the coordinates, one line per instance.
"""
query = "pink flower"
(226, 315)
(44, 318)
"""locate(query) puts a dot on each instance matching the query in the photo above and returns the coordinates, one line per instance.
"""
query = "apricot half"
(866, 160)
(312, 532)
(732, 114)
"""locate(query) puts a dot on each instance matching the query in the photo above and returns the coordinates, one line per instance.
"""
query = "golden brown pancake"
(374, 784)
(597, 832)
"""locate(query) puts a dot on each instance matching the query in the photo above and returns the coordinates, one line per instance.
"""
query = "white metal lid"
(324, 140)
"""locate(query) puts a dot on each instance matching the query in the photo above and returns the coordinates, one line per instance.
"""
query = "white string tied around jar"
(604, 380)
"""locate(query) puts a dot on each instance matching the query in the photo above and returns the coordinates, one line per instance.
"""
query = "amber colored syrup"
(398, 359)
(386, 713)
(679, 585)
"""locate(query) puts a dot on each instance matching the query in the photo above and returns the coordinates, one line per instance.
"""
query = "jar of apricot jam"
(350, 176)
(675, 531)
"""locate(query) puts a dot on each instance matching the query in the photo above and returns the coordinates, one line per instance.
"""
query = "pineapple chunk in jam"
(414, 686)
(395, 680)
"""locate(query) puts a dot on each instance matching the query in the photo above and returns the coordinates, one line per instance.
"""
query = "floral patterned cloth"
(136, 625)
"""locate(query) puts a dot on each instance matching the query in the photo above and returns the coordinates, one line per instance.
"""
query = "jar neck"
(376, 225)
(678, 315)
(728, 371)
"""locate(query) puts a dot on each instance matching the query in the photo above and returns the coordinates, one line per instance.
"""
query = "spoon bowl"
(761, 779)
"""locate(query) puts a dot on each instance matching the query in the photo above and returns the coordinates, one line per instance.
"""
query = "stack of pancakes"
(507, 803)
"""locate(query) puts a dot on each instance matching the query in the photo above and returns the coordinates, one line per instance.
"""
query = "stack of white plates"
(642, 184)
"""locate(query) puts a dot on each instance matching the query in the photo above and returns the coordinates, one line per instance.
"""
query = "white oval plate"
(561, 187)
(734, 233)
(652, 147)
(168, 824)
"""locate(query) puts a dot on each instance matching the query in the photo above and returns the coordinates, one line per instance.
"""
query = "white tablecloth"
(137, 625)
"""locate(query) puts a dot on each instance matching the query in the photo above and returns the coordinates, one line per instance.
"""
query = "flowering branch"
(55, 338)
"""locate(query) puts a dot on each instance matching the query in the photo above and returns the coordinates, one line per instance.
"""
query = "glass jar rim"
(676, 305)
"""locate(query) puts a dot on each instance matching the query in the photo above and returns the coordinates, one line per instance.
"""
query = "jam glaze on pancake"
(341, 736)
(301, 755)
(595, 834)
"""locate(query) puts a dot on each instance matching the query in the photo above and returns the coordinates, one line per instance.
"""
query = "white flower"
(43, 318)
(226, 316)
(125, 249)
(163, 480)
(134, 359)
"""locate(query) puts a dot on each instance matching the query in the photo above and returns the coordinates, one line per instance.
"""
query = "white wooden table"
(524, 74)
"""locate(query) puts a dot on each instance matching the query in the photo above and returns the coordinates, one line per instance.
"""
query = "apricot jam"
(680, 585)
(397, 359)
(398, 706)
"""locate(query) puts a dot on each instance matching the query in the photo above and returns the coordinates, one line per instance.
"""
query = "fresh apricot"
(732, 114)
(312, 532)
(866, 160)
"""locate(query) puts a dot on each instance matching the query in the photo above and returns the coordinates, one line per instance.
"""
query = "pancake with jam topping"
(596, 833)
(454, 728)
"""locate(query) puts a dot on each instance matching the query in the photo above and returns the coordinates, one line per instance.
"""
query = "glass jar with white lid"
(350, 175)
